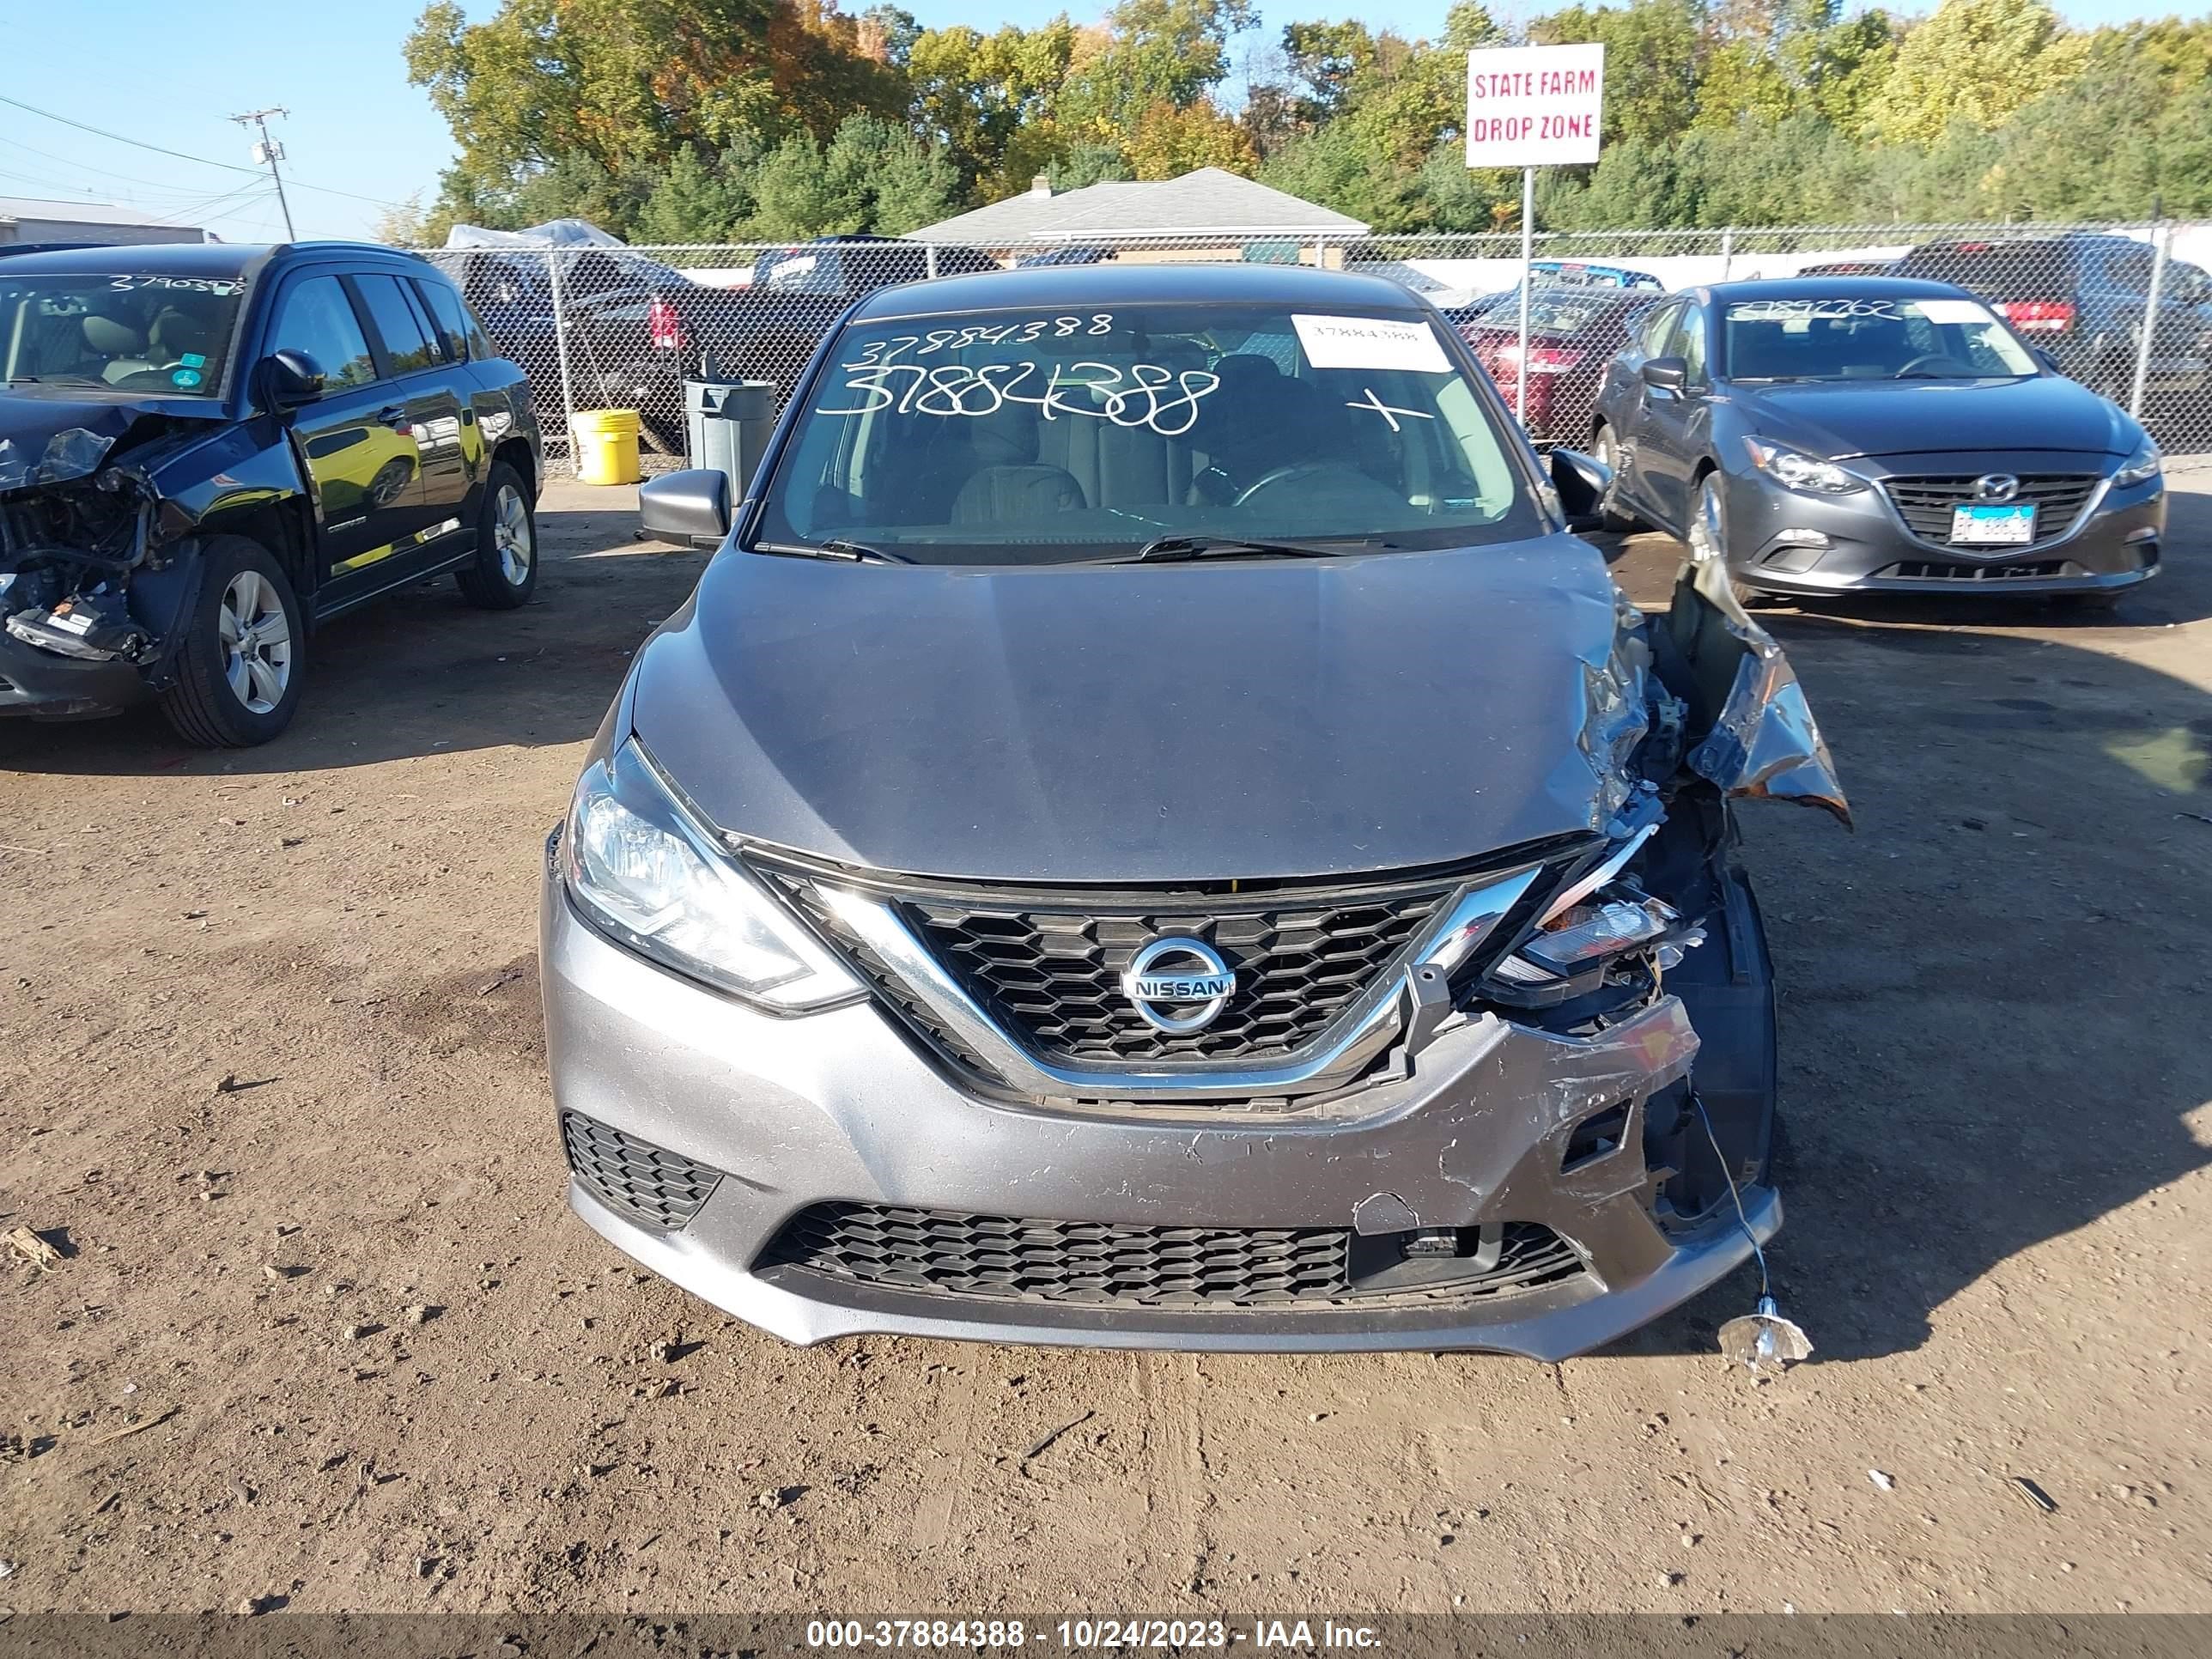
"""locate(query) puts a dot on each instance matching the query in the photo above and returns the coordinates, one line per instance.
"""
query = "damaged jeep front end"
(92, 576)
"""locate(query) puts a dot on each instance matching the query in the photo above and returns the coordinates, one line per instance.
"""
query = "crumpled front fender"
(1752, 733)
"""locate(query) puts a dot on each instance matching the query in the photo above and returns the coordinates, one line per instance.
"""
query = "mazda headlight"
(2141, 468)
(1795, 469)
(646, 873)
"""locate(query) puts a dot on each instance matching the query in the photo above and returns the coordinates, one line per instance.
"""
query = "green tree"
(700, 198)
(1170, 140)
(1653, 51)
(623, 83)
(873, 176)
(1151, 51)
(1974, 62)
(989, 100)
(1088, 164)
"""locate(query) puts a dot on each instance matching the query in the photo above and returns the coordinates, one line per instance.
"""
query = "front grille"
(1925, 504)
(1004, 1258)
(633, 1177)
(1930, 570)
(1053, 976)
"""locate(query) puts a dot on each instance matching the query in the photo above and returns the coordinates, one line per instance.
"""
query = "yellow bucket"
(606, 445)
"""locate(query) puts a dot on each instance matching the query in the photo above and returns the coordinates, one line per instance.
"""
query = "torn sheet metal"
(1616, 712)
(1763, 741)
(73, 453)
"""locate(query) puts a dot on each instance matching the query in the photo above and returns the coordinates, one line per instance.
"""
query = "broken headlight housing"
(1590, 924)
(644, 871)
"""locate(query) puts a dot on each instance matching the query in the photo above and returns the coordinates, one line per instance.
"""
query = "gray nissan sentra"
(1153, 831)
(1841, 434)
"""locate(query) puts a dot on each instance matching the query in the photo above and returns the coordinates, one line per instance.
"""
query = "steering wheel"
(1269, 479)
(1933, 357)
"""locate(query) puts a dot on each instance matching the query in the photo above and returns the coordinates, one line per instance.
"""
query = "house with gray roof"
(1209, 202)
(26, 219)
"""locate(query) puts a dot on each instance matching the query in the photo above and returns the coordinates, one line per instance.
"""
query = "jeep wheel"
(238, 663)
(504, 573)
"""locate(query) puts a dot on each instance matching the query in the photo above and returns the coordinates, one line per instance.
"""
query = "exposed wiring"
(1735, 1197)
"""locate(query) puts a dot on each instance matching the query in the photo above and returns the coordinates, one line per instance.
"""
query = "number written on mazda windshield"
(1150, 395)
(957, 339)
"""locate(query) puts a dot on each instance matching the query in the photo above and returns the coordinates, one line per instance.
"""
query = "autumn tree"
(1974, 62)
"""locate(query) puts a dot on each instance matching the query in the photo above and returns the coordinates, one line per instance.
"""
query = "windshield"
(164, 334)
(1875, 339)
(1013, 437)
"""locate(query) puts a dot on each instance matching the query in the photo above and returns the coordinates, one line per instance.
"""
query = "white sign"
(1369, 343)
(1534, 107)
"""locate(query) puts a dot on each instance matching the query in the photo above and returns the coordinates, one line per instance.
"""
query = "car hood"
(1840, 419)
(1148, 723)
(50, 438)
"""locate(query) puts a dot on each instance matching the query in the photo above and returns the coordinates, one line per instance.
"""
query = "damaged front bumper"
(48, 686)
(85, 593)
(819, 1179)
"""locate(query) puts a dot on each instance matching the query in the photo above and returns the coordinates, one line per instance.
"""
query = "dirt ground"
(325, 1335)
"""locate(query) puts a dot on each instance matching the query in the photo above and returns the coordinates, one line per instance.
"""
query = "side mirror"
(691, 508)
(1582, 481)
(1666, 373)
(293, 378)
(2046, 359)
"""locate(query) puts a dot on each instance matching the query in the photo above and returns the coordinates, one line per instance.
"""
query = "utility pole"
(270, 151)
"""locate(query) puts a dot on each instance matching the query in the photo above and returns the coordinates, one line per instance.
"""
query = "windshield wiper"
(1203, 547)
(835, 547)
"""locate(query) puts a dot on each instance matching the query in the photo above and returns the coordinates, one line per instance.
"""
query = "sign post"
(1529, 107)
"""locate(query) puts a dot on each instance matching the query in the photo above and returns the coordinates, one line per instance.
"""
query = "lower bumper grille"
(1102, 1263)
(1931, 570)
(634, 1178)
(1926, 504)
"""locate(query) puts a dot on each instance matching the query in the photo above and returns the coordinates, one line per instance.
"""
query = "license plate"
(2012, 525)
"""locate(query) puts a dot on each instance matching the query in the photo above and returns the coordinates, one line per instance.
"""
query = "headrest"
(111, 338)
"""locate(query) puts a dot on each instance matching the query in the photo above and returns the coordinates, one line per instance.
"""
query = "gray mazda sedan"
(1152, 831)
(1824, 434)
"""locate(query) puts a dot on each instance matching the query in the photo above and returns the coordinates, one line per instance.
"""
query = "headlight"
(1794, 470)
(649, 875)
(2142, 467)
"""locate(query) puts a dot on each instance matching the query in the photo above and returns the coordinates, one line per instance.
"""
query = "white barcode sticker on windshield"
(1370, 342)
(1954, 311)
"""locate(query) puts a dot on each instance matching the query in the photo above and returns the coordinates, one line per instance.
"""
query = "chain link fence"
(2125, 309)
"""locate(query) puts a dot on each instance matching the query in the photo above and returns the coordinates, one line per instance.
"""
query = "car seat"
(1261, 421)
(118, 349)
(1009, 485)
(176, 334)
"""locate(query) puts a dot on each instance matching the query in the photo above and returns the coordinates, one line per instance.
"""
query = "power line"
(166, 189)
(66, 190)
(202, 161)
(199, 204)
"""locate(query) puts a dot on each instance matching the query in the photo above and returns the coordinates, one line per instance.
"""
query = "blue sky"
(358, 134)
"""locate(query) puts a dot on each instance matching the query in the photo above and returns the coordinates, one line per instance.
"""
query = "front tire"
(504, 573)
(1708, 539)
(239, 665)
(1607, 451)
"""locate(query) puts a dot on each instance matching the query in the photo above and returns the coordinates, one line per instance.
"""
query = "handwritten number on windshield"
(1150, 395)
(877, 353)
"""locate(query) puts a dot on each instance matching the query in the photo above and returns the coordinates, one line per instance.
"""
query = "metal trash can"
(728, 425)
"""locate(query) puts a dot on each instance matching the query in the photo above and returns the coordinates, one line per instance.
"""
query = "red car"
(1573, 333)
